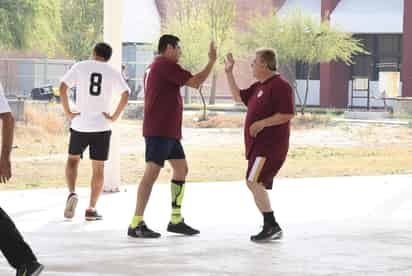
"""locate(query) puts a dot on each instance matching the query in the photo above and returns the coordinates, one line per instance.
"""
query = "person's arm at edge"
(197, 80)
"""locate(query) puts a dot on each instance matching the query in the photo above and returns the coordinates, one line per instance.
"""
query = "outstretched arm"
(197, 80)
(234, 88)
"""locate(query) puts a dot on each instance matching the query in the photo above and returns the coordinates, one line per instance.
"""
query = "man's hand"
(71, 115)
(5, 170)
(212, 52)
(255, 128)
(111, 118)
(229, 63)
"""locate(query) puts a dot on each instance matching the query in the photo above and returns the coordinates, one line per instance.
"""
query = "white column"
(113, 10)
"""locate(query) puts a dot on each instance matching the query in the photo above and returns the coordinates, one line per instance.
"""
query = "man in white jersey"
(17, 252)
(96, 82)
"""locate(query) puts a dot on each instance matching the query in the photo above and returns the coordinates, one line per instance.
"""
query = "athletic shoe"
(33, 269)
(142, 231)
(71, 204)
(92, 214)
(269, 232)
(182, 228)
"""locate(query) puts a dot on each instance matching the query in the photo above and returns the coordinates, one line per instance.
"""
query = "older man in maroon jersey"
(270, 108)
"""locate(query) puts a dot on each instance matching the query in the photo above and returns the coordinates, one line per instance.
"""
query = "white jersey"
(96, 82)
(4, 104)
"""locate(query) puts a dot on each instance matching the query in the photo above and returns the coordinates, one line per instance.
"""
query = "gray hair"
(269, 57)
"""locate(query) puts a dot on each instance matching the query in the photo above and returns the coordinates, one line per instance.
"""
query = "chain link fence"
(20, 76)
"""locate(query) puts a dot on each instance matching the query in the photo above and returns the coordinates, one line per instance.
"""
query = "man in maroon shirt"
(162, 129)
(270, 108)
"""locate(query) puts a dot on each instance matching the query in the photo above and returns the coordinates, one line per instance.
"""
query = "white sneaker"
(71, 205)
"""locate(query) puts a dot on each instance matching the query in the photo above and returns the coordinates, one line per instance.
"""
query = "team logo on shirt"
(260, 93)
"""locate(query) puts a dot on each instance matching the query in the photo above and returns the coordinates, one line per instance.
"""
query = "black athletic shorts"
(98, 143)
(160, 149)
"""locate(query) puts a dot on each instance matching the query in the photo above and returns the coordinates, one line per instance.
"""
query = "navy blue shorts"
(160, 149)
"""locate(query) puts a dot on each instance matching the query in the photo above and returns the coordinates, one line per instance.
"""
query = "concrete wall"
(313, 94)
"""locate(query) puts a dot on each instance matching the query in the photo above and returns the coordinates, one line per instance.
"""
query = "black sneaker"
(71, 204)
(142, 231)
(182, 228)
(33, 269)
(269, 232)
(92, 215)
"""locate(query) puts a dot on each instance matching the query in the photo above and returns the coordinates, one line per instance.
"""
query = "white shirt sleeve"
(70, 78)
(121, 85)
(4, 105)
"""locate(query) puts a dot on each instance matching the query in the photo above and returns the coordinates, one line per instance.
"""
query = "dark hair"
(103, 50)
(165, 40)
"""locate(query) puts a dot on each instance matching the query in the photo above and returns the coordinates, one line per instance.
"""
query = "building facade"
(384, 27)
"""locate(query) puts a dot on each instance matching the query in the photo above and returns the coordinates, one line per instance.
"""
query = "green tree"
(30, 24)
(298, 37)
(197, 23)
(15, 18)
(189, 25)
(47, 27)
(220, 17)
(267, 30)
(82, 26)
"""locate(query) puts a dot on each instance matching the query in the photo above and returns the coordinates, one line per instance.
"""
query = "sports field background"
(320, 146)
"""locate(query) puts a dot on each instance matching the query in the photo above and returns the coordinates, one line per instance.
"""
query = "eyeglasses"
(254, 63)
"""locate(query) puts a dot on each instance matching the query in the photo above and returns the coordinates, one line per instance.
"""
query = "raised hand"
(212, 52)
(229, 63)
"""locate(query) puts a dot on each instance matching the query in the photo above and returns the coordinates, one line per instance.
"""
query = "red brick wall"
(327, 8)
(334, 76)
(407, 50)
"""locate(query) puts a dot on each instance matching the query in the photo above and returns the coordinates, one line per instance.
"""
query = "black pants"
(12, 244)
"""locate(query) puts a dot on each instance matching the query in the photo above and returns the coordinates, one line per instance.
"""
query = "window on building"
(136, 57)
(389, 53)
(302, 71)
(363, 67)
(385, 52)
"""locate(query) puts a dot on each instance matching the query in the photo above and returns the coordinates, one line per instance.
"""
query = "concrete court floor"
(332, 226)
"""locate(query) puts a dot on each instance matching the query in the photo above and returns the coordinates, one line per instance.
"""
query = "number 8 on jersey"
(95, 84)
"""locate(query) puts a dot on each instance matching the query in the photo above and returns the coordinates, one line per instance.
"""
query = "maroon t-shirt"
(264, 100)
(163, 106)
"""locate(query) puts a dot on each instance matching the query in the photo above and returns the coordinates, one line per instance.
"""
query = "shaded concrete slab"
(333, 226)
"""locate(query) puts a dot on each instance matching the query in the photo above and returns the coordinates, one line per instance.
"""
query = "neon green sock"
(178, 189)
(135, 221)
(176, 216)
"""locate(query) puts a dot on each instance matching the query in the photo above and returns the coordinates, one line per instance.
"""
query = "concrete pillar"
(407, 50)
(113, 10)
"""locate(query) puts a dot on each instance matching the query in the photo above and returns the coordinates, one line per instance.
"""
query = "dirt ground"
(320, 147)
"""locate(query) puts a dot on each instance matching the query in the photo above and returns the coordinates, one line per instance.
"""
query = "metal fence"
(20, 75)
